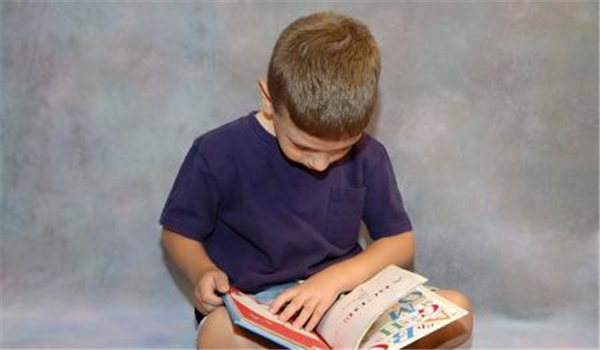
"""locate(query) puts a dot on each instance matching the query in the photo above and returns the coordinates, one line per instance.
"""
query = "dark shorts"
(199, 316)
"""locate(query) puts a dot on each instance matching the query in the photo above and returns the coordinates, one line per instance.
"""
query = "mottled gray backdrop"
(489, 112)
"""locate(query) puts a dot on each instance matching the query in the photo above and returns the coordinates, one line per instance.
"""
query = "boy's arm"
(313, 297)
(392, 250)
(206, 278)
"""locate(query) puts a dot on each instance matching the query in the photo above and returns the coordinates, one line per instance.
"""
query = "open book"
(389, 311)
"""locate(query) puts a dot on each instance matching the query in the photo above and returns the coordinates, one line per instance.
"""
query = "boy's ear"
(265, 98)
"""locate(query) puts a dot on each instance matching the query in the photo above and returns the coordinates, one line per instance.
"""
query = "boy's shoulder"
(215, 151)
(369, 148)
(223, 135)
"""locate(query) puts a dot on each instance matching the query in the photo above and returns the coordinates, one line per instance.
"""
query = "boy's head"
(323, 75)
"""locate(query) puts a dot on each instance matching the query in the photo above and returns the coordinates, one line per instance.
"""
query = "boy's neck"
(265, 122)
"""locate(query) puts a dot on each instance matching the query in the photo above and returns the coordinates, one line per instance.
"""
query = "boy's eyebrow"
(299, 145)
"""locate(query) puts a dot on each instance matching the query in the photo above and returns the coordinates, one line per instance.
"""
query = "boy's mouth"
(320, 174)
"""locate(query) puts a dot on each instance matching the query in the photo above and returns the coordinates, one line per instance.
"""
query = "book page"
(410, 318)
(344, 325)
(256, 317)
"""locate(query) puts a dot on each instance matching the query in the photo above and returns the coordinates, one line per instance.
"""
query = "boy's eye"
(340, 151)
(304, 149)
(310, 150)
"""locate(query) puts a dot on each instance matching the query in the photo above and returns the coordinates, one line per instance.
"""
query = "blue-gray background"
(489, 112)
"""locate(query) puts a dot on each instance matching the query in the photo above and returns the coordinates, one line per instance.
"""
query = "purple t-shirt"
(265, 220)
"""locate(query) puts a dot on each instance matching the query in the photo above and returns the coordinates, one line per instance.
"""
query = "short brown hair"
(325, 70)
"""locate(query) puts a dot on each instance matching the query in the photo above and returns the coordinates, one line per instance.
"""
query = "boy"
(278, 195)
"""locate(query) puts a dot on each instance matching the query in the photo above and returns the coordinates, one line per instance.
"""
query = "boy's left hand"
(309, 300)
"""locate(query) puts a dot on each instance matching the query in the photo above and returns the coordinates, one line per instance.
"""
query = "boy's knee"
(456, 297)
(461, 300)
(213, 328)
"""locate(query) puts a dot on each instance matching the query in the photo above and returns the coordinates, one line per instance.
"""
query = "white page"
(344, 325)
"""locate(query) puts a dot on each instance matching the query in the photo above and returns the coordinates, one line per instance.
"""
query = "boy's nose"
(318, 163)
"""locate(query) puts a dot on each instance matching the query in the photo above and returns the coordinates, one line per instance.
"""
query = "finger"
(316, 318)
(208, 296)
(282, 299)
(198, 298)
(291, 309)
(200, 308)
(205, 293)
(305, 313)
(210, 288)
(209, 308)
(203, 308)
(207, 304)
(222, 283)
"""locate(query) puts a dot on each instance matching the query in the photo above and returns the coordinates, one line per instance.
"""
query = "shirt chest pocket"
(344, 214)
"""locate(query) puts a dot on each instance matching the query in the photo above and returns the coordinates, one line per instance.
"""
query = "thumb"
(222, 282)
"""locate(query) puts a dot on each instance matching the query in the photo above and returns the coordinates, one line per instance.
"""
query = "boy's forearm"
(396, 250)
(188, 254)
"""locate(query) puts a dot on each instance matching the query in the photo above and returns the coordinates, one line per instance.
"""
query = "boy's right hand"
(207, 289)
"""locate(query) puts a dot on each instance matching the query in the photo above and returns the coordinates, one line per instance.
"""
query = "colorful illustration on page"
(400, 323)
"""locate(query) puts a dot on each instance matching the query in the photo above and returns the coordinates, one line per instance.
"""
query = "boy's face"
(314, 153)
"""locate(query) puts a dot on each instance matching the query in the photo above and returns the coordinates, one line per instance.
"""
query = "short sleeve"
(192, 206)
(383, 213)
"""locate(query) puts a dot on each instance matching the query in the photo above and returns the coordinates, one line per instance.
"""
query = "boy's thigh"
(210, 326)
(217, 330)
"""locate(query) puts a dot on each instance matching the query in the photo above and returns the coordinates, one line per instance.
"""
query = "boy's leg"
(218, 332)
(454, 334)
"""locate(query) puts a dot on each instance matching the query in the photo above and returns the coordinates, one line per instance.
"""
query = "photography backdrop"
(489, 112)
